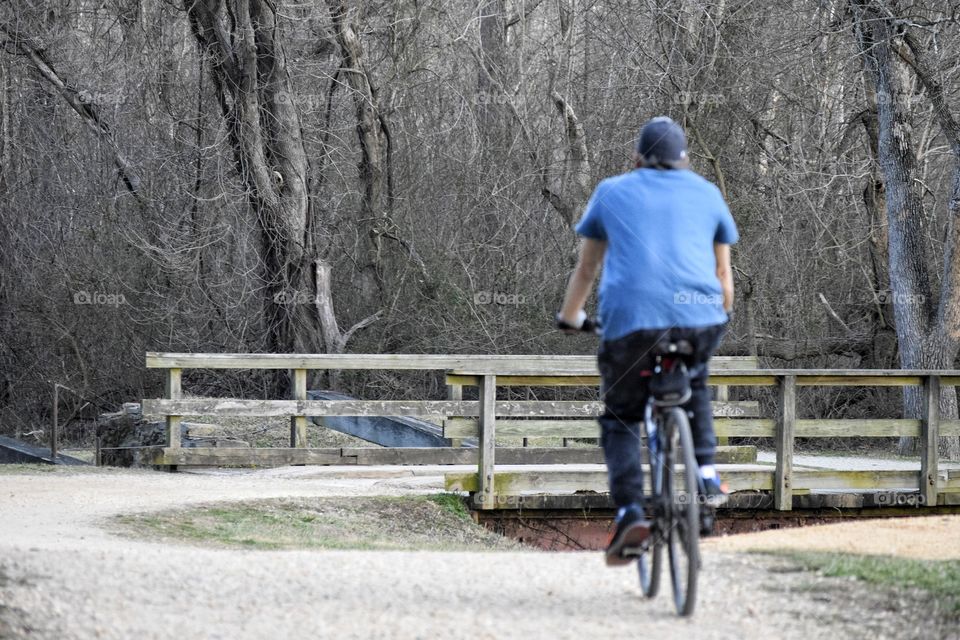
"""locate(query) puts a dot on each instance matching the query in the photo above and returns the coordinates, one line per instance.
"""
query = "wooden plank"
(552, 376)
(929, 438)
(510, 483)
(174, 391)
(410, 455)
(949, 428)
(487, 441)
(353, 361)
(298, 424)
(309, 408)
(745, 427)
(538, 366)
(469, 428)
(246, 456)
(467, 408)
(572, 380)
(861, 372)
(461, 456)
(783, 442)
(743, 379)
(554, 482)
(548, 428)
(474, 364)
(949, 482)
(832, 480)
(872, 428)
(856, 380)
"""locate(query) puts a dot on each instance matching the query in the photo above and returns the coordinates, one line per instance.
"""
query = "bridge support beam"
(298, 424)
(929, 439)
(488, 401)
(174, 392)
(785, 423)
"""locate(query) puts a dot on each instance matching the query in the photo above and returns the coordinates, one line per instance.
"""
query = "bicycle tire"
(683, 540)
(650, 564)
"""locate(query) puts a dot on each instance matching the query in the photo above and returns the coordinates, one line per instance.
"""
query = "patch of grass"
(12, 469)
(940, 578)
(452, 503)
(438, 522)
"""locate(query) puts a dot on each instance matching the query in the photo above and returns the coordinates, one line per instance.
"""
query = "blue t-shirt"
(660, 268)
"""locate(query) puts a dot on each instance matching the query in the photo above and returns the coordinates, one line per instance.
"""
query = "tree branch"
(523, 14)
(87, 109)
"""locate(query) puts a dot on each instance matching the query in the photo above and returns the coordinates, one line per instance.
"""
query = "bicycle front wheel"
(683, 539)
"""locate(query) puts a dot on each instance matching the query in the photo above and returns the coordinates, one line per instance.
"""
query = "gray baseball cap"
(662, 140)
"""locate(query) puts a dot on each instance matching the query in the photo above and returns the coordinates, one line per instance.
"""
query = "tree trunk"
(491, 77)
(374, 220)
(248, 67)
(927, 331)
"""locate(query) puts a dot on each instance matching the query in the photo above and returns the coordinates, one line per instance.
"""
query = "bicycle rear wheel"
(683, 538)
(650, 564)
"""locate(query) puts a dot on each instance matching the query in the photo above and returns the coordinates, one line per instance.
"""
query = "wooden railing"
(486, 418)
(459, 417)
(783, 428)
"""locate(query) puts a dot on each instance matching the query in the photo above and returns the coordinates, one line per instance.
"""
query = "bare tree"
(927, 321)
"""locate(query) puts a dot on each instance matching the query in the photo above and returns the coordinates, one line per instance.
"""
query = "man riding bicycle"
(663, 234)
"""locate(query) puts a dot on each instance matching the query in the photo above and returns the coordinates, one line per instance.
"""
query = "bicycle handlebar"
(590, 325)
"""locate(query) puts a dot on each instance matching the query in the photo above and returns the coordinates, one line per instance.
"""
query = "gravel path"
(64, 575)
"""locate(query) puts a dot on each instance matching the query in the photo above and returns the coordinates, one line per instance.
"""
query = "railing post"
(455, 394)
(785, 420)
(174, 392)
(929, 439)
(56, 423)
(487, 444)
(298, 424)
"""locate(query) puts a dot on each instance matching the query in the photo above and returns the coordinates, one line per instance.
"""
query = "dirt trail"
(64, 575)
(926, 538)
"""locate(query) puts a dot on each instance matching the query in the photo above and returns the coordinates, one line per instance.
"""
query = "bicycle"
(671, 500)
(673, 510)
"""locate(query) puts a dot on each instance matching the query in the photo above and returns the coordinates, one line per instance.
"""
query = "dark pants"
(625, 366)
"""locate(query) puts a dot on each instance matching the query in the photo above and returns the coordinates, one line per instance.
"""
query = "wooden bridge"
(512, 477)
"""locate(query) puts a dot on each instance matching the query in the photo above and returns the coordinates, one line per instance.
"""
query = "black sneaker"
(632, 530)
(714, 493)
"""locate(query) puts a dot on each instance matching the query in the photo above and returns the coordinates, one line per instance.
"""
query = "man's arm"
(725, 274)
(581, 281)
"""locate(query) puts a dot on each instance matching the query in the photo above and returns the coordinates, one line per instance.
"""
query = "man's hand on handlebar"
(582, 324)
